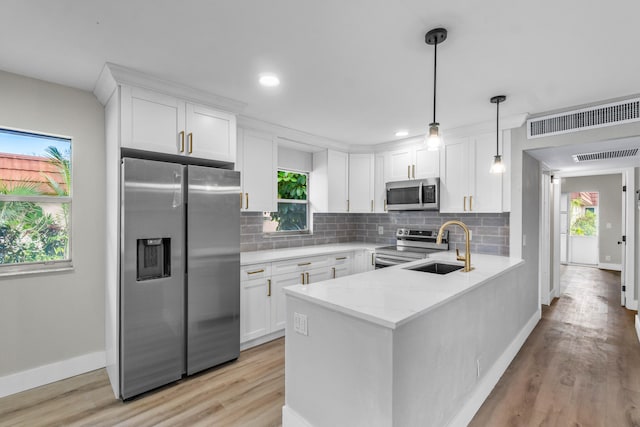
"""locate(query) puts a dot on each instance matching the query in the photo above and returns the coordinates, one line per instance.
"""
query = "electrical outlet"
(380, 229)
(608, 225)
(300, 323)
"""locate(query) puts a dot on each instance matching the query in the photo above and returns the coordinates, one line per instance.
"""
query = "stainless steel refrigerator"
(180, 272)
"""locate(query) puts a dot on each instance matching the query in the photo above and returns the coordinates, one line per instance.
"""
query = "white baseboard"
(552, 295)
(609, 266)
(291, 418)
(486, 385)
(632, 305)
(638, 327)
(261, 340)
(36, 377)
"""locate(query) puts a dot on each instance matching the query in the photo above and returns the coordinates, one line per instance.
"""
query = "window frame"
(294, 201)
(36, 267)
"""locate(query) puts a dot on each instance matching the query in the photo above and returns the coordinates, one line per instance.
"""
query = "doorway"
(579, 219)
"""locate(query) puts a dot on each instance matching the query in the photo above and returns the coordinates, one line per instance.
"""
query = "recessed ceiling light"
(269, 80)
(402, 133)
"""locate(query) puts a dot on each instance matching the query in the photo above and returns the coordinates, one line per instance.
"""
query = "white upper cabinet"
(412, 163)
(466, 184)
(258, 164)
(161, 123)
(379, 187)
(329, 181)
(361, 183)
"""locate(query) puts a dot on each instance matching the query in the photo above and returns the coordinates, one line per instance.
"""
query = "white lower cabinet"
(262, 299)
(364, 261)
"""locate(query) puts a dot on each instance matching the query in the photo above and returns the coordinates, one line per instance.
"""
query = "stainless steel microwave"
(415, 194)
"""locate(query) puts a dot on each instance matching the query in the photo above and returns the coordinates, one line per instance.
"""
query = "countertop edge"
(273, 255)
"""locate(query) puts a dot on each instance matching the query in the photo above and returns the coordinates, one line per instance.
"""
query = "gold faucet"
(467, 254)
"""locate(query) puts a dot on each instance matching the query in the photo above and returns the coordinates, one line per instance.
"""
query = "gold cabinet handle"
(334, 272)
(464, 203)
(385, 205)
(256, 272)
(307, 278)
(413, 171)
(240, 200)
(470, 203)
(302, 277)
(409, 171)
(247, 200)
(268, 287)
(182, 141)
(304, 263)
(347, 205)
(341, 258)
(372, 206)
(190, 142)
(373, 254)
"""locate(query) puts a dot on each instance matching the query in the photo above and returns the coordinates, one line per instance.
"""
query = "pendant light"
(434, 37)
(498, 165)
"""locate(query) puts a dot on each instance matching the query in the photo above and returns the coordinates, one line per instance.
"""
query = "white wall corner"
(489, 381)
(291, 418)
(36, 377)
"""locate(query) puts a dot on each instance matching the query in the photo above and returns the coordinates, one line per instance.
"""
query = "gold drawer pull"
(464, 203)
(269, 287)
(470, 203)
(334, 272)
(247, 194)
(302, 276)
(182, 141)
(340, 258)
(256, 272)
(307, 278)
(240, 200)
(413, 171)
(190, 142)
(409, 171)
(304, 263)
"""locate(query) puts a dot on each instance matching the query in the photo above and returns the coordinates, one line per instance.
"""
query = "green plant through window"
(292, 213)
(584, 219)
(35, 198)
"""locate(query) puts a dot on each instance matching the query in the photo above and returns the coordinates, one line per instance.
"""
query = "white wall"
(46, 318)
(296, 160)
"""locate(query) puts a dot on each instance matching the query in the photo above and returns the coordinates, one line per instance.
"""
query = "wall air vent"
(598, 116)
(605, 155)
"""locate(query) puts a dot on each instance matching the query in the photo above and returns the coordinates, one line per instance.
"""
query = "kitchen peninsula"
(397, 347)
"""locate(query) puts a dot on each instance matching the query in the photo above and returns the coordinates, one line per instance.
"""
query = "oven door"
(383, 261)
(404, 195)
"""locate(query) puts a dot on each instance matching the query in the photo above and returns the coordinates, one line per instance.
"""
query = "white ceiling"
(352, 71)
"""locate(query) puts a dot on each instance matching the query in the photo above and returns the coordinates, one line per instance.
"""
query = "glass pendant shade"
(434, 142)
(497, 166)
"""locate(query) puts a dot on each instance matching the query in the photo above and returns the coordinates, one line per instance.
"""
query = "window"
(293, 205)
(35, 201)
(584, 214)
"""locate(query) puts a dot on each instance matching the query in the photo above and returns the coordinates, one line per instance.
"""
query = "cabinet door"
(152, 121)
(259, 172)
(454, 194)
(338, 179)
(379, 188)
(399, 165)
(485, 187)
(277, 298)
(254, 309)
(315, 276)
(211, 134)
(369, 261)
(361, 182)
(427, 163)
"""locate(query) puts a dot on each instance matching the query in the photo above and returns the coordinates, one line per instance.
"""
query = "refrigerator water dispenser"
(154, 259)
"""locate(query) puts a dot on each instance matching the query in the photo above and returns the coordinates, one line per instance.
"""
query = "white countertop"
(394, 295)
(257, 257)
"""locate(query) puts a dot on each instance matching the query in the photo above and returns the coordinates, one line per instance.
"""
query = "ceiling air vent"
(597, 116)
(604, 155)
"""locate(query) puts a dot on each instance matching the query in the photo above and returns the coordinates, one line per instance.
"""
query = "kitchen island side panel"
(441, 357)
(340, 373)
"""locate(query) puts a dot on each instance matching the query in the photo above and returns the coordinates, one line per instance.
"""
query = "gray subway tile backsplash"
(490, 232)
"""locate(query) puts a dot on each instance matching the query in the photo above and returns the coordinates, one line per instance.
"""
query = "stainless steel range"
(411, 245)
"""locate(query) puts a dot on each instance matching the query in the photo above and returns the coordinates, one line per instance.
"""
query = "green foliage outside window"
(291, 216)
(585, 223)
(28, 233)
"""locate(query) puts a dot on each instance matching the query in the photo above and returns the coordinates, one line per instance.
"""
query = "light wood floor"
(248, 392)
(579, 367)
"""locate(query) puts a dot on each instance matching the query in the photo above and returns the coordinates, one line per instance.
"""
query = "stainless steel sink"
(437, 268)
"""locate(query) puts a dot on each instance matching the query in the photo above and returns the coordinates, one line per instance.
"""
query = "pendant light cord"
(435, 68)
(497, 127)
